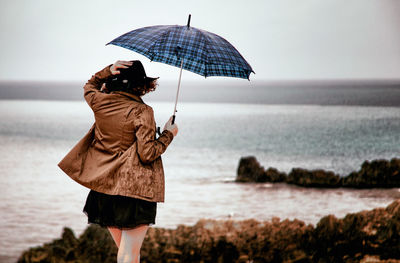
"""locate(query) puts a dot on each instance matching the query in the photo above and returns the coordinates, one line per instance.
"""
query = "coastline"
(366, 236)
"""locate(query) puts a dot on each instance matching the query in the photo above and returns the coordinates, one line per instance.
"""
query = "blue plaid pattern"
(204, 53)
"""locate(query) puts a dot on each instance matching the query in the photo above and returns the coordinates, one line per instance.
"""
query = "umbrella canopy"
(193, 49)
(187, 47)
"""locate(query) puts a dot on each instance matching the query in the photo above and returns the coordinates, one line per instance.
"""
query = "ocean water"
(37, 199)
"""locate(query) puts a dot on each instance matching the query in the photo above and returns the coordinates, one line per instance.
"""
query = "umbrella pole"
(177, 93)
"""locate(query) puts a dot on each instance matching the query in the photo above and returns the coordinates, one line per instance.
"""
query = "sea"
(333, 127)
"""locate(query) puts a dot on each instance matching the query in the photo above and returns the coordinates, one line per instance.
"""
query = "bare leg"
(116, 234)
(131, 242)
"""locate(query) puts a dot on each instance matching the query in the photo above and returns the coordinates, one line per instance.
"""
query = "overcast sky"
(299, 39)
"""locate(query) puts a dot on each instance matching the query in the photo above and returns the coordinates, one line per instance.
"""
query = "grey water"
(329, 128)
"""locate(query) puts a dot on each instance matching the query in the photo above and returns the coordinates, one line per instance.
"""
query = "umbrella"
(188, 48)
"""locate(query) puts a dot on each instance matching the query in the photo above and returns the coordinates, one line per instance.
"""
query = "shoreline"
(357, 237)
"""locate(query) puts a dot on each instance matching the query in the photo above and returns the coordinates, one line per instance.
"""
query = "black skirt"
(118, 211)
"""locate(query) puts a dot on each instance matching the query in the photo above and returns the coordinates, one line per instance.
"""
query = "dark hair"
(138, 88)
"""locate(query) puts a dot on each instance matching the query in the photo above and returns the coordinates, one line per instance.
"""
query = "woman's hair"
(141, 90)
(138, 89)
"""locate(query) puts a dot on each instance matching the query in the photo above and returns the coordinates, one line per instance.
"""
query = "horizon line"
(301, 80)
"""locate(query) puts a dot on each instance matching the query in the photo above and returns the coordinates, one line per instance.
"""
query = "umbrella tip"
(188, 23)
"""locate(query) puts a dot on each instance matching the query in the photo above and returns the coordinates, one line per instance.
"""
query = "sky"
(281, 39)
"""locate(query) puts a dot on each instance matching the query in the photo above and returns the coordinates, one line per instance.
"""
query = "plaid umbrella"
(187, 47)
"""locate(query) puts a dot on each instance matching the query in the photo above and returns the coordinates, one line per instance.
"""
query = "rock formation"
(250, 170)
(367, 236)
(313, 178)
(377, 173)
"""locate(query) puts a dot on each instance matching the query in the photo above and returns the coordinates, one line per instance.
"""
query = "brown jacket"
(120, 154)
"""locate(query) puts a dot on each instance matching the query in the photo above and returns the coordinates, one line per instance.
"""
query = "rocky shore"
(372, 174)
(366, 236)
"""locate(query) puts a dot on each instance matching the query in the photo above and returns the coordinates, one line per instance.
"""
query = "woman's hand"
(119, 64)
(171, 127)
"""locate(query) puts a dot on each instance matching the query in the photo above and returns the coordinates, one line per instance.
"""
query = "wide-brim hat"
(134, 73)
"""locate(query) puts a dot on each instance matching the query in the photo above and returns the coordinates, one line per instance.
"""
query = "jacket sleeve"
(91, 90)
(150, 148)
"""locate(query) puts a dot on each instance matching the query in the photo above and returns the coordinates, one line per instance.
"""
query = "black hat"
(128, 78)
(134, 74)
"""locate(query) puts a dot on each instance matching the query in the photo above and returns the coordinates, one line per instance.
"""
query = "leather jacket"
(120, 154)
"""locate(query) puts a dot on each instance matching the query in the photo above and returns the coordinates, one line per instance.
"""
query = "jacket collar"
(130, 95)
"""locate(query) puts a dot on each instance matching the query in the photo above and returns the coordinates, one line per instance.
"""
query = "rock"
(94, 245)
(250, 170)
(366, 236)
(274, 176)
(377, 173)
(377, 259)
(313, 178)
(68, 238)
(373, 233)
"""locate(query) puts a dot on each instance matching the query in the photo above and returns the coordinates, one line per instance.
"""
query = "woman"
(119, 159)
